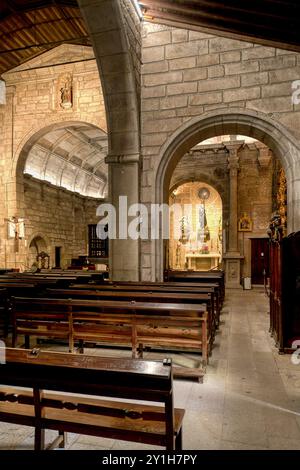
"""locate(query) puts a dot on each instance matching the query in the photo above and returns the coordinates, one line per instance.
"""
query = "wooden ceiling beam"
(68, 18)
(46, 44)
(221, 23)
(214, 9)
(31, 6)
(36, 25)
(189, 22)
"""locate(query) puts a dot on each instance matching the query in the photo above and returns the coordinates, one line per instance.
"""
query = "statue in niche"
(65, 89)
(203, 234)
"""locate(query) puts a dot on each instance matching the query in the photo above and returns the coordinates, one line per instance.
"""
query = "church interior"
(149, 225)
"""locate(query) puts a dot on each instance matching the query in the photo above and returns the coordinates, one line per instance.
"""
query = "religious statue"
(178, 254)
(203, 234)
(65, 89)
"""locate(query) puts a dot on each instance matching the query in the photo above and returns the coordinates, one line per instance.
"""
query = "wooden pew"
(159, 287)
(4, 313)
(197, 276)
(207, 298)
(50, 377)
(134, 324)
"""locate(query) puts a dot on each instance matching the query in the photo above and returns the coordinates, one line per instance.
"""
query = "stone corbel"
(264, 155)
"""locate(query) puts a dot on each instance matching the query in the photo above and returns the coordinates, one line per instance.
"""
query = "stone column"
(233, 166)
(123, 176)
(232, 257)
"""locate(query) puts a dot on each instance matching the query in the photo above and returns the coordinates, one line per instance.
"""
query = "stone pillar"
(232, 257)
(233, 166)
(123, 175)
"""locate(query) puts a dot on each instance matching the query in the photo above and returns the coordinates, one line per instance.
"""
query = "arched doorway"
(38, 247)
(60, 176)
(234, 121)
(196, 228)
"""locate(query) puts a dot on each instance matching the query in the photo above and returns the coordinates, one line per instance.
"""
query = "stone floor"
(250, 398)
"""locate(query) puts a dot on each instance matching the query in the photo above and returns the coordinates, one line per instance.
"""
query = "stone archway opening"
(227, 122)
(196, 227)
(37, 247)
(59, 168)
(70, 155)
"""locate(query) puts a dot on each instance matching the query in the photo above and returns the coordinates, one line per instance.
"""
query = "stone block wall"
(188, 74)
(33, 105)
(58, 216)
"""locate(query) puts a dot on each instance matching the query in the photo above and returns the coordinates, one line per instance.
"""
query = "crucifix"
(16, 230)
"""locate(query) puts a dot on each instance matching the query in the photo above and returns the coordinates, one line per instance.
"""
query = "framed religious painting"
(245, 223)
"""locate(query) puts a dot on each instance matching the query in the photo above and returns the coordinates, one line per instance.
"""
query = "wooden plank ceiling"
(270, 22)
(31, 27)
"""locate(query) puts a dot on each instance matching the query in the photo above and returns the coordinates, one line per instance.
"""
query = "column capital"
(123, 159)
(233, 165)
(233, 158)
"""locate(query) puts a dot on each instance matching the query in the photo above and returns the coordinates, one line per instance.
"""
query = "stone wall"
(33, 105)
(60, 217)
(187, 75)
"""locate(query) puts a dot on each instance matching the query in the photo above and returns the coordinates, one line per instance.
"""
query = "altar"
(202, 261)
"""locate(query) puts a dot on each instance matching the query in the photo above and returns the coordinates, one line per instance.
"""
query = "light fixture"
(137, 8)
(2, 92)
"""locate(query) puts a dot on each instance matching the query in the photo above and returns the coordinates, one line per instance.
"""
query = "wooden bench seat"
(134, 324)
(197, 276)
(178, 288)
(47, 403)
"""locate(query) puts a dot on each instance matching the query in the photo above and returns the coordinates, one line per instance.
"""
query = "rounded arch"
(201, 178)
(233, 121)
(115, 48)
(28, 142)
(41, 236)
(37, 243)
(35, 134)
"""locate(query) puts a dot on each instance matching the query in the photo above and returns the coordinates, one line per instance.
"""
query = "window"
(97, 248)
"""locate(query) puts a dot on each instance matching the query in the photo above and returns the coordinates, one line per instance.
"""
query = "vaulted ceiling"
(71, 157)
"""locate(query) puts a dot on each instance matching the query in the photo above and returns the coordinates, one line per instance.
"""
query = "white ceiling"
(73, 158)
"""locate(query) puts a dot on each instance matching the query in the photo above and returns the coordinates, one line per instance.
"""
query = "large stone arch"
(115, 32)
(223, 122)
(107, 23)
(35, 134)
(18, 163)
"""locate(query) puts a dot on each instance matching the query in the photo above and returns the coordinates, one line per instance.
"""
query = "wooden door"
(259, 259)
